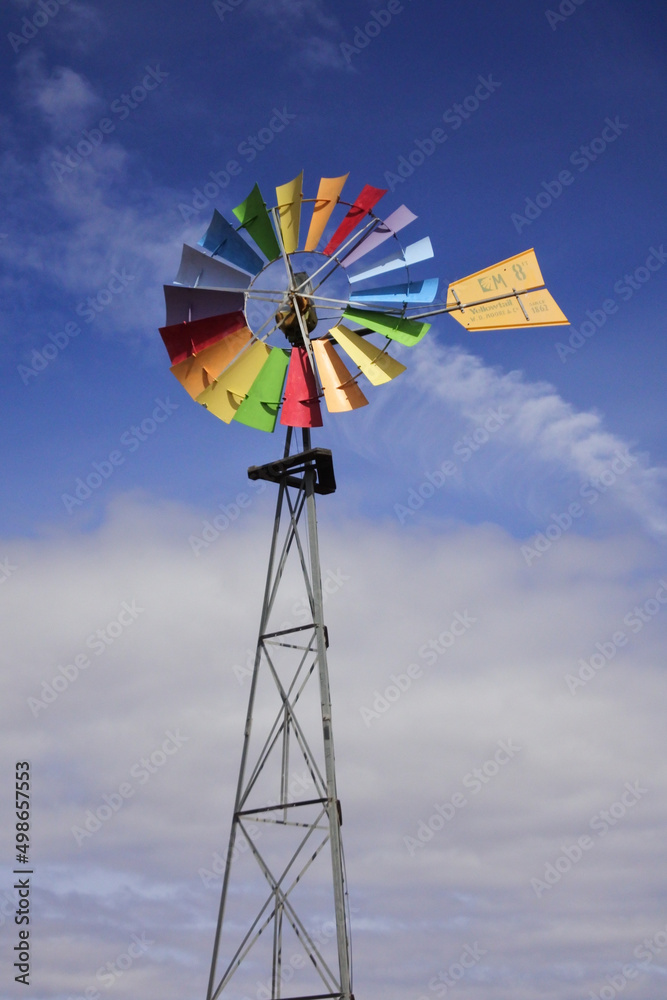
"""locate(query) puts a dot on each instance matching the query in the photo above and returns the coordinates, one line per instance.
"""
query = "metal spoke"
(338, 302)
(334, 259)
(462, 306)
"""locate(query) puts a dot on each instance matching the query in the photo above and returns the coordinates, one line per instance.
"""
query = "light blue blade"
(415, 291)
(422, 250)
(222, 240)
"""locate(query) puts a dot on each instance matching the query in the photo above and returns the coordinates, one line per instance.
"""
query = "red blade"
(186, 339)
(301, 407)
(368, 198)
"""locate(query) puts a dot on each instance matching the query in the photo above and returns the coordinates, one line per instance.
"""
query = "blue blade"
(222, 240)
(415, 291)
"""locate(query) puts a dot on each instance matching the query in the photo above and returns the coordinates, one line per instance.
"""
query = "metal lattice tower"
(289, 835)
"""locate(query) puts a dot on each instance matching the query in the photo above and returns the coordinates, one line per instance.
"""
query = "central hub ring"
(313, 299)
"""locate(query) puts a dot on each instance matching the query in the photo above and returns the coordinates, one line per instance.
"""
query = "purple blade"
(393, 224)
(200, 270)
(184, 305)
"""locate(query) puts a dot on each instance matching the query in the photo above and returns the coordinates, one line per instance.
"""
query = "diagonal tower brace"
(291, 664)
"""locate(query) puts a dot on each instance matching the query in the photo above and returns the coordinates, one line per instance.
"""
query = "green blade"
(253, 216)
(405, 331)
(260, 407)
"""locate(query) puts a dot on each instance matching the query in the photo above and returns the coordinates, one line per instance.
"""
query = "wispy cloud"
(64, 98)
(542, 453)
(303, 28)
(286, 13)
(81, 29)
(72, 227)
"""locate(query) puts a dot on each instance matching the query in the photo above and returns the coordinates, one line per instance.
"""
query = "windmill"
(258, 330)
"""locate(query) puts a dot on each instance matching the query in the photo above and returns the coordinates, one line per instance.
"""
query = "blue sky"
(558, 418)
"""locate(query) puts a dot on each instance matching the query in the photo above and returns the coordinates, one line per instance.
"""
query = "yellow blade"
(378, 366)
(540, 306)
(520, 273)
(289, 212)
(198, 372)
(224, 397)
(327, 199)
(340, 392)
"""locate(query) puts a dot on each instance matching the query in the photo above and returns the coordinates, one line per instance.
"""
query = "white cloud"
(308, 33)
(294, 11)
(80, 227)
(65, 99)
(321, 53)
(538, 448)
(502, 680)
(82, 27)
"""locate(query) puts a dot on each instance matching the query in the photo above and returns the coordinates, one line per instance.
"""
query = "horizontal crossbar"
(281, 806)
(287, 631)
(283, 469)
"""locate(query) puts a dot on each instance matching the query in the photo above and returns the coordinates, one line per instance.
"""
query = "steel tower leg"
(282, 837)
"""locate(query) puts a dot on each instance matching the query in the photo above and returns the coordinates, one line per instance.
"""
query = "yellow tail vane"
(489, 303)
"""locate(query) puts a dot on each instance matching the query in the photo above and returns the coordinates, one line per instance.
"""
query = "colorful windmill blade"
(365, 201)
(413, 291)
(341, 392)
(223, 241)
(328, 195)
(393, 224)
(199, 270)
(251, 284)
(378, 366)
(413, 254)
